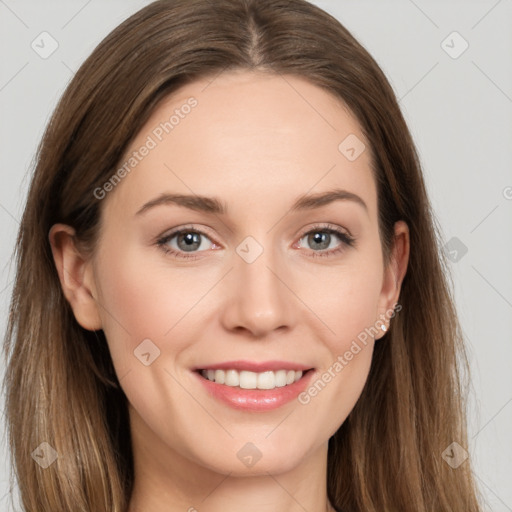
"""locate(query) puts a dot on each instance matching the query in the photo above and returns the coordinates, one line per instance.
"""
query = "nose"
(258, 298)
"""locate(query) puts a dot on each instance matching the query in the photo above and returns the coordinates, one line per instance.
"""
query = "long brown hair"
(60, 384)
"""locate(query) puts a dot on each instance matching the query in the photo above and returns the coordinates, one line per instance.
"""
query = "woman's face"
(256, 165)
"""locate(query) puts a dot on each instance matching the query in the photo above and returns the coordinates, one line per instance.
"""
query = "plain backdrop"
(450, 64)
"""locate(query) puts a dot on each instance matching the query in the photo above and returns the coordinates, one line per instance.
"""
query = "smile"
(252, 380)
(256, 387)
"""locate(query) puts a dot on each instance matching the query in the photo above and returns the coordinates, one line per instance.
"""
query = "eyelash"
(346, 240)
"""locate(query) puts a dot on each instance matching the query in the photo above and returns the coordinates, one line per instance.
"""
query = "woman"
(230, 292)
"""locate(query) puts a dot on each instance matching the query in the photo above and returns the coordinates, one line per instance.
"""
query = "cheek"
(345, 299)
(338, 384)
(347, 302)
(142, 299)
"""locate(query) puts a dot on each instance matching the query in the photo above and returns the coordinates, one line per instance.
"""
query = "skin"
(256, 142)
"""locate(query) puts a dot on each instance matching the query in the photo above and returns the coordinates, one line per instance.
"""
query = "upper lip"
(254, 366)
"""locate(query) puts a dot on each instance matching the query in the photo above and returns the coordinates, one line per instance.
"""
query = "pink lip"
(253, 366)
(258, 400)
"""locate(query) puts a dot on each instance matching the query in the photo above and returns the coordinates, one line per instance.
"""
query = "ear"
(76, 276)
(394, 274)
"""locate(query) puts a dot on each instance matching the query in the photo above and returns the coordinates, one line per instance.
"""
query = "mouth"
(253, 380)
(254, 386)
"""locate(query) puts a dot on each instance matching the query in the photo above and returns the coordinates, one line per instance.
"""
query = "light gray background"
(459, 111)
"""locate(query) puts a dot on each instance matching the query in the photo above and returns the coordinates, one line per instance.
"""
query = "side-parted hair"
(60, 384)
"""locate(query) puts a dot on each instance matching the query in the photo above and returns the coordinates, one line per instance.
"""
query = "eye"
(326, 240)
(186, 242)
(183, 241)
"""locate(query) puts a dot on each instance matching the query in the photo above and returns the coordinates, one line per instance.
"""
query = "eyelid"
(326, 226)
(185, 228)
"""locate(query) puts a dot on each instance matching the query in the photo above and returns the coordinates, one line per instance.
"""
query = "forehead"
(249, 137)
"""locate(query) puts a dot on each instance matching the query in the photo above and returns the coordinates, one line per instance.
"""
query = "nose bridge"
(260, 301)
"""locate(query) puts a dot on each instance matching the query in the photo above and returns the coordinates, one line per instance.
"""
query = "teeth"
(232, 378)
(281, 378)
(253, 380)
(219, 376)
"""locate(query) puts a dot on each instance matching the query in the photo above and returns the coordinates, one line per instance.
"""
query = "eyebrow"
(215, 206)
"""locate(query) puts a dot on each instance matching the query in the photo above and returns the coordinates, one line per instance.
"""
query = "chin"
(255, 459)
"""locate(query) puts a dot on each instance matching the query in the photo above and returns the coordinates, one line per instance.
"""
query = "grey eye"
(319, 240)
(188, 241)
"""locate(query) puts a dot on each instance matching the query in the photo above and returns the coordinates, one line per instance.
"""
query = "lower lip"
(256, 399)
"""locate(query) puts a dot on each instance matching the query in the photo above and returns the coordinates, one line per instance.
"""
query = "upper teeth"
(252, 380)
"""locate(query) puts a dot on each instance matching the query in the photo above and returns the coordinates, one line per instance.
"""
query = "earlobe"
(75, 275)
(394, 273)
